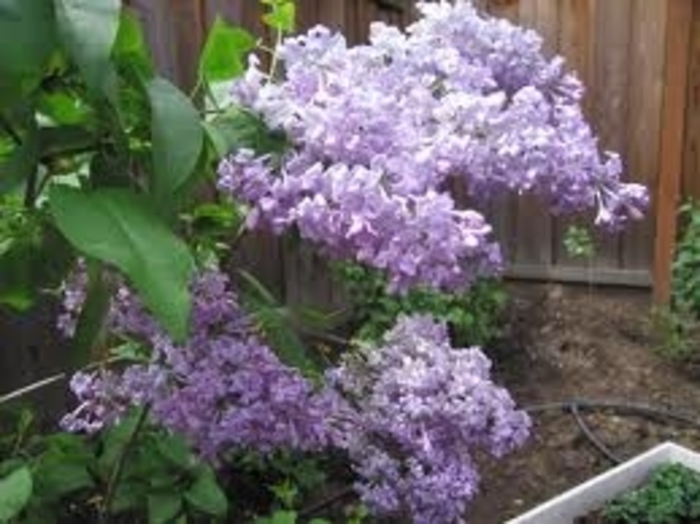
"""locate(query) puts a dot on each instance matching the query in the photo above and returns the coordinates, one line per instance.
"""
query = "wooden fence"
(632, 55)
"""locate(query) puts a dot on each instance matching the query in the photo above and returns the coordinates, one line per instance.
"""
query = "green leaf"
(15, 492)
(286, 492)
(23, 161)
(177, 137)
(237, 129)
(279, 517)
(63, 108)
(65, 140)
(28, 266)
(175, 450)
(11, 464)
(58, 476)
(27, 38)
(92, 316)
(163, 508)
(128, 495)
(213, 218)
(276, 328)
(130, 48)
(131, 351)
(113, 441)
(24, 422)
(276, 323)
(206, 496)
(258, 291)
(281, 15)
(312, 319)
(223, 57)
(88, 30)
(119, 227)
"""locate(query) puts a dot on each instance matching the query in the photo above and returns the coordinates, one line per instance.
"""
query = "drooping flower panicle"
(222, 389)
(424, 408)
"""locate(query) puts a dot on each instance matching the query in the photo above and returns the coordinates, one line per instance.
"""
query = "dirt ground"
(579, 343)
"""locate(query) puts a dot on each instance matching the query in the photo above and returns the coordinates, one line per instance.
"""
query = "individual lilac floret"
(377, 131)
(222, 389)
(424, 408)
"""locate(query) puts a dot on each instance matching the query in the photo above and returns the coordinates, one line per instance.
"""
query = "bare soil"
(565, 343)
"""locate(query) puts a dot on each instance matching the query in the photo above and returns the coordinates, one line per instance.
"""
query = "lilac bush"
(377, 131)
(410, 413)
(375, 134)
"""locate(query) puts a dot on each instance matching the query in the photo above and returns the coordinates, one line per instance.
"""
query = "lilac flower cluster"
(377, 131)
(409, 413)
(423, 408)
(222, 389)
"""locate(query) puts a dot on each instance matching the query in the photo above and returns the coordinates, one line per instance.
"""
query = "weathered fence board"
(691, 159)
(645, 92)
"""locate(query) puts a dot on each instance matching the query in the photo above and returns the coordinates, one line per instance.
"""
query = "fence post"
(678, 24)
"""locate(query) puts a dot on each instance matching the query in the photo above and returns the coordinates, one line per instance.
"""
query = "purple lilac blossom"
(423, 408)
(378, 130)
(409, 413)
(222, 389)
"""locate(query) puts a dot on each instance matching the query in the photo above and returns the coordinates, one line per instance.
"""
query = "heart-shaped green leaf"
(224, 53)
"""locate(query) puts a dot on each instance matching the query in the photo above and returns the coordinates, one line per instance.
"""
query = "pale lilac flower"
(377, 131)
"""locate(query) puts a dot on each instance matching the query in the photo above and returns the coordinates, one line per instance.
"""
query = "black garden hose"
(576, 406)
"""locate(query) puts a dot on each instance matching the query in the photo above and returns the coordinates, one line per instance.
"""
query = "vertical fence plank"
(188, 25)
(646, 69)
(577, 45)
(307, 14)
(333, 14)
(576, 41)
(609, 102)
(680, 14)
(534, 223)
(155, 18)
(691, 159)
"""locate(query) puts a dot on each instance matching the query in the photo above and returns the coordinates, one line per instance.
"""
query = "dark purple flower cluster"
(377, 131)
(223, 388)
(422, 409)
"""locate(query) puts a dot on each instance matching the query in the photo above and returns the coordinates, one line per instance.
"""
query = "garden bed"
(567, 343)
